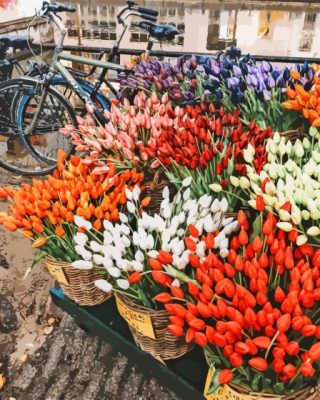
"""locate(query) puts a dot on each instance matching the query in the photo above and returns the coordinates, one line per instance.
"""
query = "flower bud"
(276, 138)
(273, 171)
(305, 215)
(216, 187)
(284, 215)
(244, 182)
(313, 231)
(248, 154)
(313, 131)
(315, 214)
(290, 166)
(296, 217)
(301, 239)
(252, 203)
(315, 156)
(285, 226)
(306, 143)
(298, 148)
(270, 188)
(289, 147)
(282, 148)
(234, 181)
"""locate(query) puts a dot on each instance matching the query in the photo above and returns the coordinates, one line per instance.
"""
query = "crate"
(185, 375)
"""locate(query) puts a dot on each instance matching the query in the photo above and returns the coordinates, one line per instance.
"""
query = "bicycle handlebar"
(55, 8)
(148, 11)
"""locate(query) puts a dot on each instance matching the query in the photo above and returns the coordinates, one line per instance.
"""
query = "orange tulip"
(316, 123)
(59, 231)
(294, 74)
(145, 202)
(10, 225)
(39, 242)
(38, 228)
(28, 234)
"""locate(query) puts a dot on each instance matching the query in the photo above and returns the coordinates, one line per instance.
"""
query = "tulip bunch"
(157, 245)
(289, 184)
(307, 102)
(209, 145)
(160, 77)
(46, 211)
(255, 310)
(128, 137)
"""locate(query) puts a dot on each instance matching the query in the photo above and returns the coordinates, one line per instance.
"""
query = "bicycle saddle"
(16, 42)
(160, 32)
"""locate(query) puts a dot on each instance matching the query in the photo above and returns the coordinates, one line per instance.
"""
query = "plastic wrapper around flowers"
(223, 251)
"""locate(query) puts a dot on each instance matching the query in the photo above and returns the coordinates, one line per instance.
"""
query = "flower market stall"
(188, 226)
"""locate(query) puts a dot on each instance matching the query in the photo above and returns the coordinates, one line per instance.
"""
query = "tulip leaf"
(256, 227)
(279, 388)
(215, 382)
(35, 261)
(255, 383)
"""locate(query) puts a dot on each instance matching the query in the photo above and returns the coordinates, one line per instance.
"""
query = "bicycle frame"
(57, 66)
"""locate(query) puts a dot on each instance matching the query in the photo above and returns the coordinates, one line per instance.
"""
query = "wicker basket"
(293, 134)
(165, 346)
(304, 394)
(154, 182)
(77, 284)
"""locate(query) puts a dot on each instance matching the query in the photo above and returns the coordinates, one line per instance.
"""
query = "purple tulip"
(267, 95)
(236, 71)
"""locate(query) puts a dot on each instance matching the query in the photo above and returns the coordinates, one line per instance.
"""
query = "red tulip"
(225, 376)
(258, 363)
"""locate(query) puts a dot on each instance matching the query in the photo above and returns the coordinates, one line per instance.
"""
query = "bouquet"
(255, 312)
(75, 200)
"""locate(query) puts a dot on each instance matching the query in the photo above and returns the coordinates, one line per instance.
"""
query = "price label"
(225, 392)
(140, 322)
(57, 272)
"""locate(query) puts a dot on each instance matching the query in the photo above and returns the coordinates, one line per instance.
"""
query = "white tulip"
(82, 223)
(82, 264)
(79, 249)
(165, 192)
(108, 226)
(175, 283)
(234, 181)
(215, 187)
(98, 259)
(205, 201)
(208, 224)
(103, 285)
(114, 272)
(95, 246)
(215, 206)
(186, 194)
(124, 229)
(86, 255)
(136, 193)
(224, 253)
(123, 218)
(285, 226)
(301, 240)
(128, 194)
(248, 154)
(244, 183)
(177, 198)
(137, 265)
(139, 256)
(153, 253)
(224, 205)
(187, 181)
(180, 232)
(107, 262)
(149, 242)
(131, 207)
(123, 284)
(80, 239)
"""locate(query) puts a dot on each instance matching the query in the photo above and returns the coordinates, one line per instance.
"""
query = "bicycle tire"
(33, 162)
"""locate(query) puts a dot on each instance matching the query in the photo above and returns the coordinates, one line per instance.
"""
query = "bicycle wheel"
(31, 153)
(43, 138)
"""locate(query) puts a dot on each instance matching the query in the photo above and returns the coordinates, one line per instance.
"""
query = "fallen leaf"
(2, 381)
(47, 330)
(24, 358)
(51, 321)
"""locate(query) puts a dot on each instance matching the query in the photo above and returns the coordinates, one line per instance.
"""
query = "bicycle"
(41, 110)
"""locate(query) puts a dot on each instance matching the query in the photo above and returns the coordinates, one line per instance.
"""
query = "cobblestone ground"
(55, 361)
